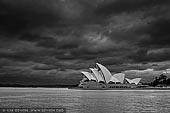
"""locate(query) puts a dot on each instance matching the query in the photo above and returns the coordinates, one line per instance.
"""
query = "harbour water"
(87, 101)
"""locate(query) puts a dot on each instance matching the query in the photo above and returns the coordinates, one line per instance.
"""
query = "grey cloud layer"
(69, 35)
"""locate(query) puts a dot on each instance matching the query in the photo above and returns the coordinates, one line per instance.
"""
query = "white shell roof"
(120, 77)
(97, 74)
(105, 71)
(88, 75)
(135, 81)
(113, 79)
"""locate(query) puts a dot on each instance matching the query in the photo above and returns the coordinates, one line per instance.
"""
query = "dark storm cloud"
(159, 33)
(155, 45)
(54, 40)
(146, 55)
(28, 14)
(21, 15)
(119, 6)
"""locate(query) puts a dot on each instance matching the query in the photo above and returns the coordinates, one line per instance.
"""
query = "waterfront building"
(101, 78)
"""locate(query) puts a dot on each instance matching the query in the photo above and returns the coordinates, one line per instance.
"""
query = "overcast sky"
(50, 41)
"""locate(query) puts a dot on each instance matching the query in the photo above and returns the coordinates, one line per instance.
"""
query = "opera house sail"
(134, 81)
(120, 77)
(98, 75)
(101, 78)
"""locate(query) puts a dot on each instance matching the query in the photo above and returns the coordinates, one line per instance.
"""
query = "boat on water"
(100, 78)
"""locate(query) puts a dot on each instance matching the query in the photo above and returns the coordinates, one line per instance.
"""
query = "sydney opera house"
(101, 78)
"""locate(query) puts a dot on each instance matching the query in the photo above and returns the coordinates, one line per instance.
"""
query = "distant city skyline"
(50, 42)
